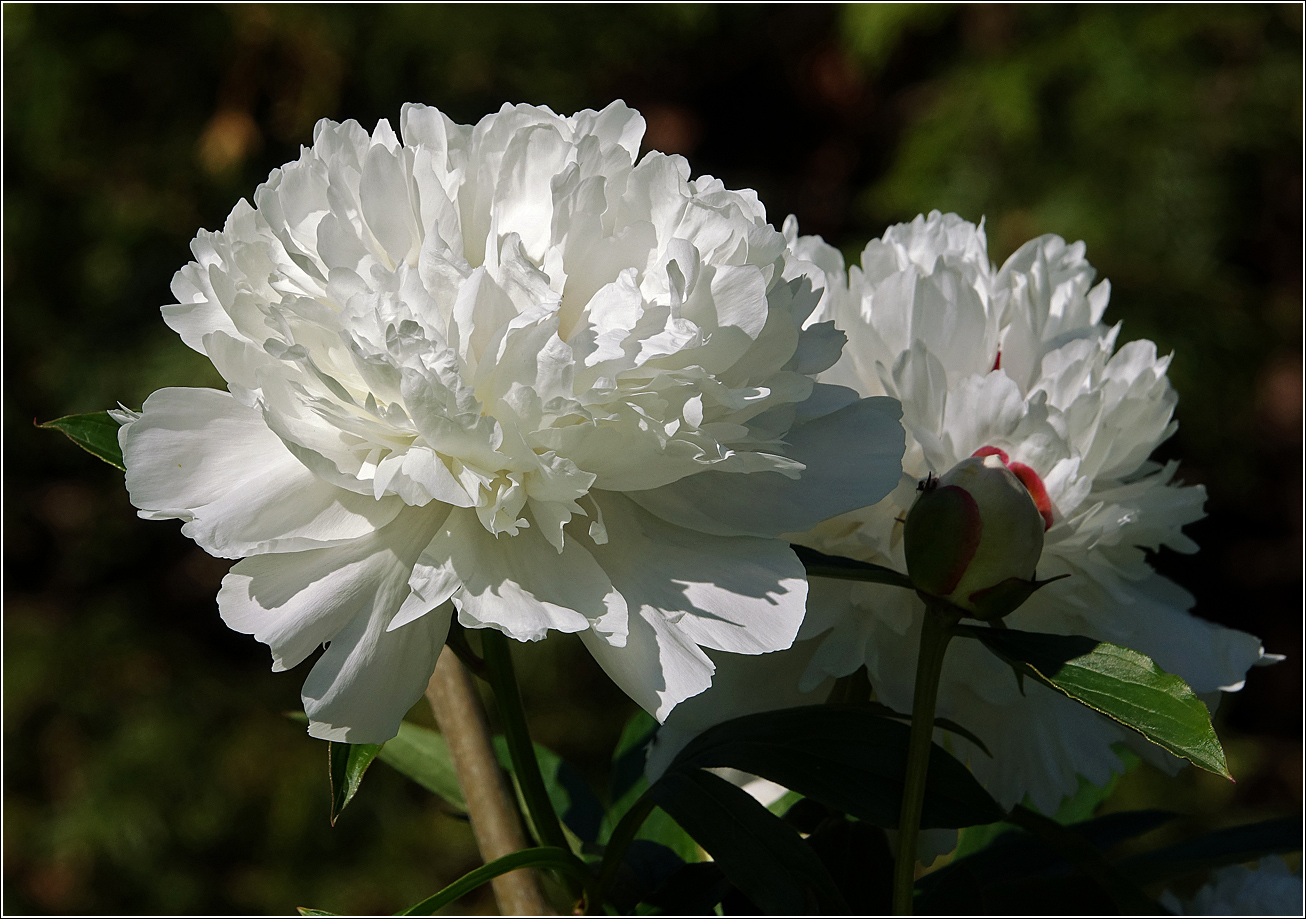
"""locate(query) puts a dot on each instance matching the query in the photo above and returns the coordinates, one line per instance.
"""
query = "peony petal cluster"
(1014, 362)
(507, 372)
(1268, 889)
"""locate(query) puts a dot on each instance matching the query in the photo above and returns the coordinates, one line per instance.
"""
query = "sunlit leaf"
(1118, 682)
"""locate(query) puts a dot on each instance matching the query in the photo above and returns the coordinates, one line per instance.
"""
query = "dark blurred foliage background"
(147, 765)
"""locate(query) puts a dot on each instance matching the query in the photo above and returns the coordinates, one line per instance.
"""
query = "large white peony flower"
(502, 370)
(1018, 360)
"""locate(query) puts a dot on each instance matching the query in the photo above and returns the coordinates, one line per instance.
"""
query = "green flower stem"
(936, 632)
(622, 836)
(503, 680)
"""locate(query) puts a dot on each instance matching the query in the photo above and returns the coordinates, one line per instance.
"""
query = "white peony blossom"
(506, 371)
(1015, 359)
(1269, 889)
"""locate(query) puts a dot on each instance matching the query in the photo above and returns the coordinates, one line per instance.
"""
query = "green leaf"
(628, 784)
(760, 854)
(542, 857)
(347, 762)
(820, 565)
(1089, 859)
(422, 754)
(1214, 850)
(572, 799)
(847, 758)
(1118, 682)
(305, 911)
(96, 433)
(946, 723)
(1017, 859)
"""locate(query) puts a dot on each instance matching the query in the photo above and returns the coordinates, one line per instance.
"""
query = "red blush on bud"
(1029, 478)
(993, 451)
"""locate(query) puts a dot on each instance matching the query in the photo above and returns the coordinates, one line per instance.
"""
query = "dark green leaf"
(820, 565)
(756, 850)
(629, 756)
(946, 723)
(1223, 847)
(1018, 866)
(693, 890)
(1088, 858)
(1118, 682)
(858, 858)
(422, 754)
(845, 757)
(628, 784)
(1075, 808)
(541, 857)
(96, 433)
(645, 868)
(347, 762)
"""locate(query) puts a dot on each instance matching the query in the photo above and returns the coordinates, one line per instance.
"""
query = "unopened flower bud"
(974, 536)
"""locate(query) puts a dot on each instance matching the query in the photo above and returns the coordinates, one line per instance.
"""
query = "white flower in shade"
(1269, 889)
(1018, 361)
(502, 370)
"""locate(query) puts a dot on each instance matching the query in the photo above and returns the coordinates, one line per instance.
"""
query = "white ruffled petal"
(853, 458)
(200, 456)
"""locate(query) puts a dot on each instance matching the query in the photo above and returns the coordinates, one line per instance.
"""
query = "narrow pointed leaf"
(1118, 682)
(96, 433)
(347, 763)
(542, 857)
(305, 911)
(820, 565)
(847, 758)
(760, 854)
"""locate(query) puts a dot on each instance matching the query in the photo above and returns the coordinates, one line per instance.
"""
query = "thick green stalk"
(936, 632)
(503, 680)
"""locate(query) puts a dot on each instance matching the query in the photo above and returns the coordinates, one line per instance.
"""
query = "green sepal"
(95, 432)
(940, 537)
(346, 763)
(1004, 597)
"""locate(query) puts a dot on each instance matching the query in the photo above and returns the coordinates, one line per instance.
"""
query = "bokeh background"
(148, 767)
